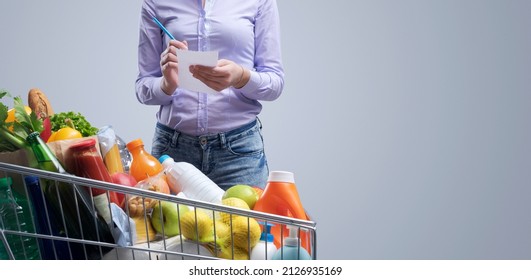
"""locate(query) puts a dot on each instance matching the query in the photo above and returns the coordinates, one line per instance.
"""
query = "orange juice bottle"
(143, 164)
(280, 197)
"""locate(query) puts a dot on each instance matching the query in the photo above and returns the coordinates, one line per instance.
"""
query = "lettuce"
(81, 124)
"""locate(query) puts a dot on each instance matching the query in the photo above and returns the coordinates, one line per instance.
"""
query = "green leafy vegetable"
(59, 120)
(13, 134)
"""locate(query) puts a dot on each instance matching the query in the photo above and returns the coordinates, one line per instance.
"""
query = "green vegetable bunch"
(13, 134)
(59, 120)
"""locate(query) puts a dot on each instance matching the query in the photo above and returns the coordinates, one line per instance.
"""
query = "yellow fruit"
(11, 115)
(222, 230)
(233, 253)
(245, 232)
(233, 202)
(200, 229)
(64, 134)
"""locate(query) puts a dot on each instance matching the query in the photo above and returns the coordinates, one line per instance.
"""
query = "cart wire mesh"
(57, 238)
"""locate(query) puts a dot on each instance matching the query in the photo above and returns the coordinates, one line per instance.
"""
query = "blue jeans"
(229, 158)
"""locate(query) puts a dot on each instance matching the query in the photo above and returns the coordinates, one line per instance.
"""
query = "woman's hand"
(224, 75)
(168, 66)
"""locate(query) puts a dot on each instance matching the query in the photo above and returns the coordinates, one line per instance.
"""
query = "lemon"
(233, 202)
(233, 253)
(245, 232)
(222, 230)
(200, 229)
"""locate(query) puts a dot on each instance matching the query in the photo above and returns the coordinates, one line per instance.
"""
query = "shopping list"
(187, 58)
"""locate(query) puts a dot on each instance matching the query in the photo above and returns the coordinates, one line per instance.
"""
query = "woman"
(218, 133)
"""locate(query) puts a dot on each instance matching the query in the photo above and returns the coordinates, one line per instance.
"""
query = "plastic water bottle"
(186, 178)
(14, 217)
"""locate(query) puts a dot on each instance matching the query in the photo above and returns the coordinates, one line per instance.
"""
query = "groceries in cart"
(85, 193)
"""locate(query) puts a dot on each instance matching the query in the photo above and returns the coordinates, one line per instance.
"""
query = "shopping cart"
(60, 244)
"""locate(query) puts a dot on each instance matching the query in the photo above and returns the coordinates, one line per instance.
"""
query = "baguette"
(38, 102)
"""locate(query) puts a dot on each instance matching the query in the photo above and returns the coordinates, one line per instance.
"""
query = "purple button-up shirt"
(244, 31)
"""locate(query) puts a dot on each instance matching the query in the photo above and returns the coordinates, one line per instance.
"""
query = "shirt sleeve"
(150, 46)
(267, 79)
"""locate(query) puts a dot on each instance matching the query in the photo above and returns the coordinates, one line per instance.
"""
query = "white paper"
(187, 58)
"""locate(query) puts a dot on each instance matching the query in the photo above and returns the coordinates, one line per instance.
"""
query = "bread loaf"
(38, 102)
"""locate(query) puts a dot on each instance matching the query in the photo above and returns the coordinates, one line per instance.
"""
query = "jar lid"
(5, 182)
(135, 143)
(84, 144)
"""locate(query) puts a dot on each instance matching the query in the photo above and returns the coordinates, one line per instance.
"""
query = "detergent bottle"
(280, 197)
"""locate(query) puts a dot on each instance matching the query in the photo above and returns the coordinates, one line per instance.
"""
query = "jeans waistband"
(221, 135)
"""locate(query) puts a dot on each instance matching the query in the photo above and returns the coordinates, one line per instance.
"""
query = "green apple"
(244, 192)
(169, 219)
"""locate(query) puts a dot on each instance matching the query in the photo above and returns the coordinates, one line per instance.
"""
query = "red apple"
(125, 179)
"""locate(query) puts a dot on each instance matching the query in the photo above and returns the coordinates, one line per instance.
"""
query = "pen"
(163, 28)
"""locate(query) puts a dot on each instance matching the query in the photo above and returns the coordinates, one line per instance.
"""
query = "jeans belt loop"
(175, 138)
(222, 140)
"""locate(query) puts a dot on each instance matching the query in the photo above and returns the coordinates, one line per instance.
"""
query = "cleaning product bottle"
(186, 178)
(143, 164)
(280, 197)
(265, 249)
(292, 249)
(14, 217)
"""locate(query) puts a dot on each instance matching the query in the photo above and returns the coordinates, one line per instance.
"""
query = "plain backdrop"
(406, 123)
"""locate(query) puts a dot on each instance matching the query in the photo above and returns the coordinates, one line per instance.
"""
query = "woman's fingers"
(178, 45)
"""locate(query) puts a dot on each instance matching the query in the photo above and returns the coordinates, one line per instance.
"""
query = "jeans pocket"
(247, 144)
(161, 142)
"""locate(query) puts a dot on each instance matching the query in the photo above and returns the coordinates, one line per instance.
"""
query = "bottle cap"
(32, 136)
(164, 157)
(292, 240)
(266, 234)
(135, 143)
(281, 176)
(5, 182)
(30, 180)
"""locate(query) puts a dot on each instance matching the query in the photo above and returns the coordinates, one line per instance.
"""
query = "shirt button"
(202, 129)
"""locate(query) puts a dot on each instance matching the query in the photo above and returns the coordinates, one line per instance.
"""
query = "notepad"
(187, 58)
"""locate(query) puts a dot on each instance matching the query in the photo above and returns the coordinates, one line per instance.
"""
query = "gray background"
(406, 123)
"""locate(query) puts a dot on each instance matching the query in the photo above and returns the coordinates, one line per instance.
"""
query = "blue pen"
(163, 28)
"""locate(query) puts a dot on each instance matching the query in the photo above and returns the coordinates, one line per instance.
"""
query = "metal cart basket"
(56, 241)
